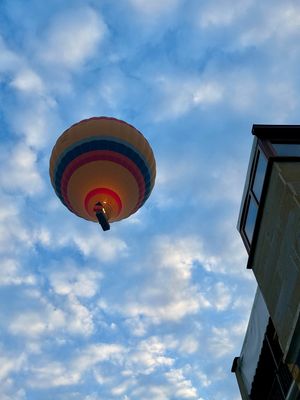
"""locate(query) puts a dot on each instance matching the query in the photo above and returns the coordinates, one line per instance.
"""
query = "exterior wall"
(253, 341)
(240, 379)
(276, 262)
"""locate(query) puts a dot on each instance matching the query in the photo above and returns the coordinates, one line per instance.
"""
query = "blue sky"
(157, 307)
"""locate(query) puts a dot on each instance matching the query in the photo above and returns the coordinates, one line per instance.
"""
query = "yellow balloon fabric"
(102, 160)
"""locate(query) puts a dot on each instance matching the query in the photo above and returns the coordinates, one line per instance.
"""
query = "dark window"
(272, 379)
(287, 149)
(250, 218)
(256, 183)
(259, 175)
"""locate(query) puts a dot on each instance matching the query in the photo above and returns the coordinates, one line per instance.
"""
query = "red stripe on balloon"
(109, 192)
(102, 155)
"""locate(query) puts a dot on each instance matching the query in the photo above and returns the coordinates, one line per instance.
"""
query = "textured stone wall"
(276, 262)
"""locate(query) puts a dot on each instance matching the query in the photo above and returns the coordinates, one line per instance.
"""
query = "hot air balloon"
(102, 169)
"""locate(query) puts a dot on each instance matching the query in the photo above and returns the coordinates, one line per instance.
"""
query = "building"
(269, 223)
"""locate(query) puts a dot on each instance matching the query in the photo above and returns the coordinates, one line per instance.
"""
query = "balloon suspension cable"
(101, 216)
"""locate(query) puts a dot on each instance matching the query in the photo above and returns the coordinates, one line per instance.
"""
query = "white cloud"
(137, 325)
(10, 364)
(149, 355)
(239, 328)
(182, 387)
(148, 289)
(93, 396)
(44, 318)
(171, 261)
(13, 394)
(14, 236)
(101, 377)
(21, 170)
(290, 18)
(181, 94)
(243, 90)
(282, 22)
(244, 302)
(188, 344)
(221, 342)
(32, 115)
(43, 236)
(27, 80)
(224, 182)
(9, 60)
(232, 258)
(222, 13)
(105, 250)
(97, 353)
(170, 177)
(172, 384)
(73, 37)
(123, 387)
(77, 281)
(52, 374)
(18, 236)
(154, 391)
(87, 240)
(221, 296)
(80, 319)
(207, 93)
(71, 372)
(204, 379)
(154, 8)
(36, 122)
(34, 323)
(160, 306)
(11, 274)
(285, 100)
(179, 254)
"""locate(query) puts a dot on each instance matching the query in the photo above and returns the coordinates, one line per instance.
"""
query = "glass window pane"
(287, 149)
(259, 176)
(250, 219)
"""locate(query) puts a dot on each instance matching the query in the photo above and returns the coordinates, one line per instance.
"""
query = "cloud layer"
(157, 308)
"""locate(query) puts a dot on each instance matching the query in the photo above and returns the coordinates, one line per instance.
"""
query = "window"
(272, 379)
(287, 149)
(259, 176)
(250, 218)
(254, 194)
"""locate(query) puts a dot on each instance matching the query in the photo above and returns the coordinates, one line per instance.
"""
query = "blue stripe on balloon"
(99, 144)
(91, 139)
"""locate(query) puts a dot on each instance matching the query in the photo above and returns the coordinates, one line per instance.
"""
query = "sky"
(157, 307)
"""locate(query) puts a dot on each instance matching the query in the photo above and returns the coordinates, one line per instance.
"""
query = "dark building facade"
(269, 224)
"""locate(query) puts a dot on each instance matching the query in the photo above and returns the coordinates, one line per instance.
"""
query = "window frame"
(264, 135)
(262, 149)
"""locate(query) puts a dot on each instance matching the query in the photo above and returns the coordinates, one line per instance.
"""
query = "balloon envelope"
(102, 160)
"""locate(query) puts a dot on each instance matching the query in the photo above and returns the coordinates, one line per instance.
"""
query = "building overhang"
(272, 143)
